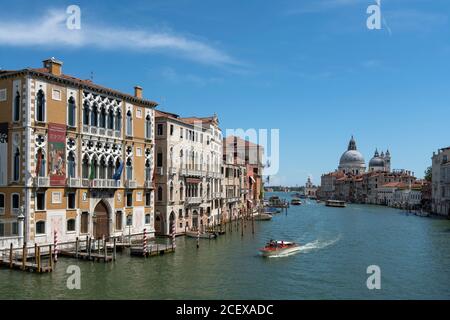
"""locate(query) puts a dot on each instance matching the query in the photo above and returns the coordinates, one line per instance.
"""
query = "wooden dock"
(37, 259)
(153, 250)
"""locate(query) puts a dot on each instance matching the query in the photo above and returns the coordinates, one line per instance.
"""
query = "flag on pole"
(118, 172)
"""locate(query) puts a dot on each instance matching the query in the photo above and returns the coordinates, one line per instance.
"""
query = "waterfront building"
(351, 183)
(441, 182)
(72, 157)
(252, 154)
(188, 172)
(310, 189)
(235, 185)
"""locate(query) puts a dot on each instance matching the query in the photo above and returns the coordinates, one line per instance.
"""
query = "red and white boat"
(279, 248)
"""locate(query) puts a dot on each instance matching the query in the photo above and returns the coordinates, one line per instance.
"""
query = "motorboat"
(335, 203)
(262, 217)
(277, 202)
(296, 202)
(276, 248)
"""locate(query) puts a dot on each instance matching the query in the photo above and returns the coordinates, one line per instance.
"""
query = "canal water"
(339, 244)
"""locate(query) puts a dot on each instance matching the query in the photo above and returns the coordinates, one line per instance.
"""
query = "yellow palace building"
(75, 158)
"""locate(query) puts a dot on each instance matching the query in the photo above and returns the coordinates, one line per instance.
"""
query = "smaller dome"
(376, 162)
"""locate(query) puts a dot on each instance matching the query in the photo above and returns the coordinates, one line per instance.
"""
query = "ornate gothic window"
(16, 165)
(86, 114)
(40, 106)
(71, 165)
(129, 123)
(94, 116)
(16, 111)
(129, 169)
(71, 112)
(148, 127)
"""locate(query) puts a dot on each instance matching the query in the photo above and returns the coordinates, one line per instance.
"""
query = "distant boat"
(204, 235)
(263, 217)
(335, 203)
(276, 202)
(296, 202)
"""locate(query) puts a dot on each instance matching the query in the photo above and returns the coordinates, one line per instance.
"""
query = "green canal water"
(339, 244)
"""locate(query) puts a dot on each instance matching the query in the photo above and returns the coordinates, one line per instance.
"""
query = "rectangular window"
(40, 201)
(3, 95)
(181, 133)
(40, 227)
(147, 218)
(159, 160)
(119, 220)
(129, 199)
(171, 129)
(15, 201)
(71, 225)
(2, 203)
(56, 95)
(2, 229)
(147, 199)
(71, 200)
(160, 130)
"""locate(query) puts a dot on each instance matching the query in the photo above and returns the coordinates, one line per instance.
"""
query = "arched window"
(171, 191)
(102, 171)
(86, 114)
(71, 225)
(119, 121)
(111, 168)
(40, 227)
(71, 107)
(103, 117)
(148, 127)
(148, 170)
(181, 191)
(111, 119)
(201, 190)
(129, 123)
(41, 162)
(85, 167)
(94, 116)
(93, 174)
(16, 112)
(129, 169)
(40, 106)
(181, 158)
(16, 169)
(71, 165)
(160, 194)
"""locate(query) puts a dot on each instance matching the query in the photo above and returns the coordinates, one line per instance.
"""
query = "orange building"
(75, 158)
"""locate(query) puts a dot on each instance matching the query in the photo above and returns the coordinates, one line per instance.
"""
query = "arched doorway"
(195, 220)
(101, 222)
(158, 223)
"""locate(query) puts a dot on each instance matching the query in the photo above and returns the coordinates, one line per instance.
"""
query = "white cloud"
(51, 31)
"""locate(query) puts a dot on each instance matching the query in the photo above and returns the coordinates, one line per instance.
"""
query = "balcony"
(15, 211)
(101, 131)
(2, 210)
(101, 183)
(244, 191)
(192, 173)
(41, 182)
(193, 200)
(172, 171)
(148, 184)
(130, 184)
(217, 195)
(233, 199)
(160, 171)
(73, 182)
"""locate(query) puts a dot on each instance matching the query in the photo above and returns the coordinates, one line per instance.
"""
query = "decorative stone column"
(21, 229)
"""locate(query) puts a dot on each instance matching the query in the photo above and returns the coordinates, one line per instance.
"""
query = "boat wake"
(318, 245)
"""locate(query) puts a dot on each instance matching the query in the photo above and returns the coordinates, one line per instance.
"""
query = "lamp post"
(21, 229)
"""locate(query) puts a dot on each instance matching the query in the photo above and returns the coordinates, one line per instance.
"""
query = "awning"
(253, 179)
(193, 180)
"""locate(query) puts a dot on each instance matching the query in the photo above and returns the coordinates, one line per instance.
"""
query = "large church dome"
(352, 161)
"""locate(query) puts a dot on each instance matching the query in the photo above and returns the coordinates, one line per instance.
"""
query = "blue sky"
(310, 68)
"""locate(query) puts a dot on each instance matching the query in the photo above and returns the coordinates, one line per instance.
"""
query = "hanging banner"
(57, 154)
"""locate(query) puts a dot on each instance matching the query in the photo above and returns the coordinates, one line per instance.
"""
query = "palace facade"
(440, 190)
(72, 154)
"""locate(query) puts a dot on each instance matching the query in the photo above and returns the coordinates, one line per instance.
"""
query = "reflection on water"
(338, 246)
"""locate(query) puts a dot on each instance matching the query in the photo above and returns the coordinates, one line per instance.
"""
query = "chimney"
(138, 92)
(54, 66)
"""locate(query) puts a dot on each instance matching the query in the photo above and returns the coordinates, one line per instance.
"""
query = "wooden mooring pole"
(76, 247)
(24, 255)
(11, 255)
(114, 249)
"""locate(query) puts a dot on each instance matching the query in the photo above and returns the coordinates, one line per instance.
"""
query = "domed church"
(352, 161)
